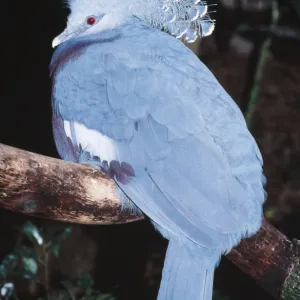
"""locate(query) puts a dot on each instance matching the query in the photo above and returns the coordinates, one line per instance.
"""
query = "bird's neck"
(74, 48)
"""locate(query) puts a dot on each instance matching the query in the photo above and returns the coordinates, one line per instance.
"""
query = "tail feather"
(188, 273)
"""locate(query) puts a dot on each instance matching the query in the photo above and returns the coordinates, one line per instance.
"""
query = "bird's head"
(181, 18)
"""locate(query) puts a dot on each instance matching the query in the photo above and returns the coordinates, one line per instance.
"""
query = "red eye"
(91, 21)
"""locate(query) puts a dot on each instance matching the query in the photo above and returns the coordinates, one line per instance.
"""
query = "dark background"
(127, 259)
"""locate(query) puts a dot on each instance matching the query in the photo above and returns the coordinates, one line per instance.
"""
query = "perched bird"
(130, 98)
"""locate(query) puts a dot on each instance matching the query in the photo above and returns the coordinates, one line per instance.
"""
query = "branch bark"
(272, 260)
(51, 188)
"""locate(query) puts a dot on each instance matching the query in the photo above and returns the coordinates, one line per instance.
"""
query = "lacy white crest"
(187, 19)
(184, 19)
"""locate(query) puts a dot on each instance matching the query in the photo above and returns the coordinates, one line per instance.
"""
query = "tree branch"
(272, 260)
(51, 188)
(54, 189)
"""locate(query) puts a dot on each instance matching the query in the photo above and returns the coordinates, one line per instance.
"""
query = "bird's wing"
(197, 168)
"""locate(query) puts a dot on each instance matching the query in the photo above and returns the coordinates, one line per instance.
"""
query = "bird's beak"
(56, 42)
(60, 39)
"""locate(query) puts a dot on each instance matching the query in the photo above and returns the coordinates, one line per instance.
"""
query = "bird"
(130, 98)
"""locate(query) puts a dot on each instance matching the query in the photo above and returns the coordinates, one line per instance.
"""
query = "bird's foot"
(122, 172)
(85, 157)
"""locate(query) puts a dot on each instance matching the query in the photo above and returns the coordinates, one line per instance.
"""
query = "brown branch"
(272, 260)
(51, 188)
(54, 189)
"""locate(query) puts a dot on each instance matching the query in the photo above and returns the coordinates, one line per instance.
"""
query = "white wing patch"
(91, 141)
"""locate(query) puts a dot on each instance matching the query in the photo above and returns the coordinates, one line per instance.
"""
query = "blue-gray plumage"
(134, 101)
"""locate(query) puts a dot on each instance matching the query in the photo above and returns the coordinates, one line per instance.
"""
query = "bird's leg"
(84, 157)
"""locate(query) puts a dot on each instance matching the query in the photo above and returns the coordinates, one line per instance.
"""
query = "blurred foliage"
(30, 261)
(218, 296)
(258, 76)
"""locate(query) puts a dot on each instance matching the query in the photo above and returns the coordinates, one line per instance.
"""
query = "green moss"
(291, 289)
